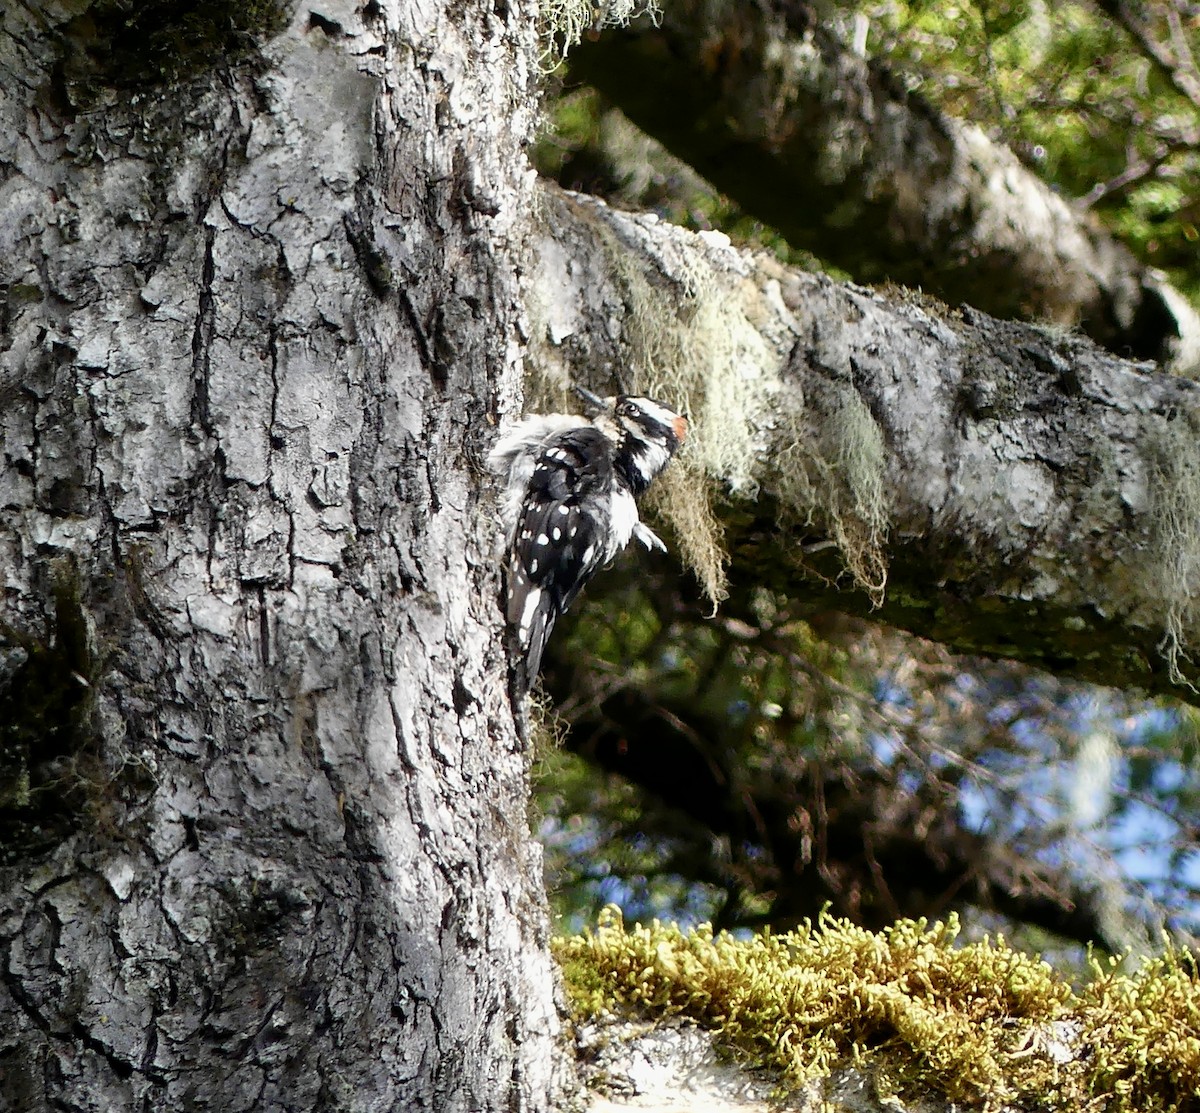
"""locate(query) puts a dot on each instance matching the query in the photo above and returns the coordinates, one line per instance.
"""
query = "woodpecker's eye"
(627, 409)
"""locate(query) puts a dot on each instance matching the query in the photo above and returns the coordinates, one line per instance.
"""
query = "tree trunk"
(263, 799)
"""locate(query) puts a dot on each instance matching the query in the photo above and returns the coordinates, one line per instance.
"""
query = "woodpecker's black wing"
(559, 542)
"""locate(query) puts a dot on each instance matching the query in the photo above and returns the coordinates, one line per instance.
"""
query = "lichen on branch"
(695, 331)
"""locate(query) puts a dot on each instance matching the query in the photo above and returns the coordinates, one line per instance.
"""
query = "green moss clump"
(979, 1023)
(1145, 1034)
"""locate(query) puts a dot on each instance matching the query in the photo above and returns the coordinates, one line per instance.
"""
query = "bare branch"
(1137, 169)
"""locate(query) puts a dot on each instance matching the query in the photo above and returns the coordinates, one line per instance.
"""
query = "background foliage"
(1099, 99)
(754, 767)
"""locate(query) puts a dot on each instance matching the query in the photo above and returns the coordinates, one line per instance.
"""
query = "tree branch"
(1023, 493)
(832, 152)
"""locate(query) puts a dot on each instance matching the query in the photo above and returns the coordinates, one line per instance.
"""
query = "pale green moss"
(1173, 566)
(691, 344)
(563, 23)
(691, 339)
(980, 1023)
(837, 478)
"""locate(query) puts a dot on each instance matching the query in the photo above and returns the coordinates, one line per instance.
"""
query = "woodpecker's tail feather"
(534, 627)
(526, 663)
(532, 610)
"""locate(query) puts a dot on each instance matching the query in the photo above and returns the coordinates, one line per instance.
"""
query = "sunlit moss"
(978, 1023)
(1145, 1031)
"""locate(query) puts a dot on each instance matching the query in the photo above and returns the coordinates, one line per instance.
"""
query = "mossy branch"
(1002, 488)
(977, 1023)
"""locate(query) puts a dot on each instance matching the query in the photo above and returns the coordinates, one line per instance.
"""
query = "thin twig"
(1137, 169)
(1177, 72)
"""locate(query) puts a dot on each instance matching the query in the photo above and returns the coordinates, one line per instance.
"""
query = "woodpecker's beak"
(593, 400)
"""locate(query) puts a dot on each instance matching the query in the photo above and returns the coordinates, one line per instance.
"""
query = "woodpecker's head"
(646, 434)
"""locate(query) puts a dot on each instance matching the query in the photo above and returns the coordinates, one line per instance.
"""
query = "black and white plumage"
(569, 502)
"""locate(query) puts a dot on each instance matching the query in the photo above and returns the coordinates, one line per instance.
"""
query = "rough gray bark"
(832, 152)
(263, 807)
(1022, 492)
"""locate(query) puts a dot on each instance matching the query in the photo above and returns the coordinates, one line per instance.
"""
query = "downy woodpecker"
(570, 485)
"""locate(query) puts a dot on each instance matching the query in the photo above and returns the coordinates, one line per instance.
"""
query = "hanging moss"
(563, 23)
(979, 1023)
(836, 477)
(1173, 555)
(693, 336)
